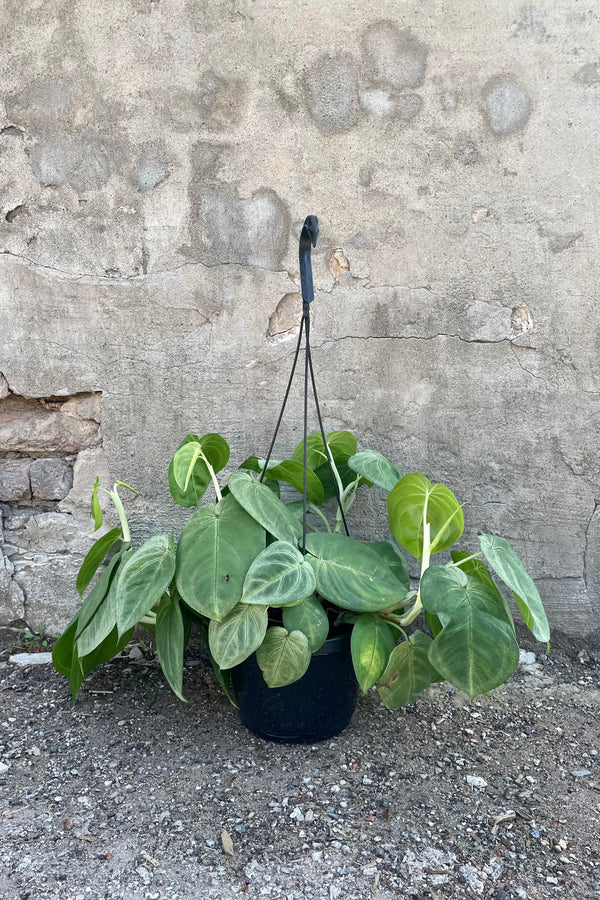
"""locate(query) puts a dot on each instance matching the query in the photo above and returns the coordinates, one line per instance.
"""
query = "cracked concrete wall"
(157, 160)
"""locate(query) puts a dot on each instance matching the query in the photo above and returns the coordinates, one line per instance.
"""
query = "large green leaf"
(371, 643)
(395, 560)
(278, 576)
(170, 642)
(447, 591)
(94, 557)
(101, 624)
(239, 634)
(262, 504)
(95, 601)
(188, 473)
(475, 651)
(292, 472)
(310, 618)
(214, 553)
(507, 565)
(351, 574)
(415, 500)
(145, 577)
(223, 676)
(408, 671)
(376, 468)
(283, 656)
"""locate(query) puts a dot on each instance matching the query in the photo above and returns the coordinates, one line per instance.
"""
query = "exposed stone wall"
(157, 158)
(50, 453)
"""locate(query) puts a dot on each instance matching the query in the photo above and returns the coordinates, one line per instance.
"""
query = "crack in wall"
(587, 547)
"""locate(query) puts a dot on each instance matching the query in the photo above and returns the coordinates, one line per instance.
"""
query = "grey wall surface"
(157, 158)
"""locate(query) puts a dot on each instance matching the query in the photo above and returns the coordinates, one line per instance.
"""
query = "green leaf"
(104, 619)
(371, 643)
(477, 569)
(376, 468)
(239, 634)
(507, 565)
(415, 500)
(95, 555)
(342, 445)
(408, 672)
(95, 506)
(279, 575)
(447, 591)
(223, 676)
(265, 507)
(475, 652)
(96, 597)
(188, 473)
(170, 643)
(351, 574)
(215, 551)
(310, 618)
(145, 577)
(283, 656)
(292, 472)
(62, 652)
(394, 559)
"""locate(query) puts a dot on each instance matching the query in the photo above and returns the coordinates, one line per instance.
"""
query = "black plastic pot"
(316, 707)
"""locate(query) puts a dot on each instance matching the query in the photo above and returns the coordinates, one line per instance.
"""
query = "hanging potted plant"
(295, 612)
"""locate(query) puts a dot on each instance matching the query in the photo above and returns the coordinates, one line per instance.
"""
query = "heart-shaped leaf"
(352, 574)
(376, 468)
(475, 651)
(215, 551)
(239, 634)
(262, 504)
(507, 565)
(278, 576)
(412, 502)
(283, 656)
(144, 578)
(408, 672)
(447, 591)
(310, 618)
(371, 643)
(188, 473)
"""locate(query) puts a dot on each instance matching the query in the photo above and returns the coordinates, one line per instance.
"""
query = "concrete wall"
(157, 158)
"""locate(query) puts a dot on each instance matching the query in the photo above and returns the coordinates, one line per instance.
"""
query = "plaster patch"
(588, 74)
(250, 232)
(395, 56)
(151, 169)
(507, 105)
(284, 324)
(331, 94)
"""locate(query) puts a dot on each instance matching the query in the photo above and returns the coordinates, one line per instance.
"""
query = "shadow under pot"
(316, 707)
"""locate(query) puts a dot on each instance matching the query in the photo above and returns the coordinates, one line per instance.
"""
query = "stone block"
(14, 479)
(4, 389)
(32, 532)
(34, 426)
(88, 465)
(49, 590)
(11, 597)
(51, 479)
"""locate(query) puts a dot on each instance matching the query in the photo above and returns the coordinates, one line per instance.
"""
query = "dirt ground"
(132, 794)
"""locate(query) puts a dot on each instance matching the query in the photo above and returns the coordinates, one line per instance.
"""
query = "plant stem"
(213, 478)
(466, 559)
(114, 496)
(148, 619)
(321, 515)
(418, 606)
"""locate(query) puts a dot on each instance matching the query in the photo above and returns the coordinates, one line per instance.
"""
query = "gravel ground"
(131, 794)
